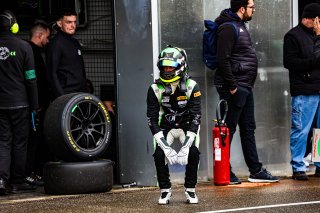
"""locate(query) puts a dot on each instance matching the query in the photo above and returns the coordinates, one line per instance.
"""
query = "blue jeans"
(305, 111)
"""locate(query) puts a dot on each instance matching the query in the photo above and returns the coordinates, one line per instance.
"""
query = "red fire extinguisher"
(221, 148)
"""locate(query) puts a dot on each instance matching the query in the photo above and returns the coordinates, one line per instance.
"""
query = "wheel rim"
(88, 125)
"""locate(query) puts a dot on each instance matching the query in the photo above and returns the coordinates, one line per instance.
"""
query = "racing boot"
(191, 195)
(165, 196)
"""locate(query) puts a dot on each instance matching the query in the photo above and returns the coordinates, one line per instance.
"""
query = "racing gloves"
(170, 153)
(183, 154)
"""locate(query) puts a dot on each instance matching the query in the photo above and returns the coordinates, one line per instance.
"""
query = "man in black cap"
(18, 95)
(301, 56)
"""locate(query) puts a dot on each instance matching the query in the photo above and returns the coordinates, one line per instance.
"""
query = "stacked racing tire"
(77, 129)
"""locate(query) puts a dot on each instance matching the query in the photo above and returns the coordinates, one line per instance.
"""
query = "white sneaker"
(165, 196)
(191, 195)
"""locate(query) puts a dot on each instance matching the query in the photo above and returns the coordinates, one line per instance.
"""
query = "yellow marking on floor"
(249, 185)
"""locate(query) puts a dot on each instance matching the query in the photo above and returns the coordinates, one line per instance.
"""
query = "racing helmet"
(172, 57)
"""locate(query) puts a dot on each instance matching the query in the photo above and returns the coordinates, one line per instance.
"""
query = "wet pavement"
(286, 196)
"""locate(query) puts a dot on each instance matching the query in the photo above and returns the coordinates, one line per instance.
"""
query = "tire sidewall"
(78, 177)
(66, 131)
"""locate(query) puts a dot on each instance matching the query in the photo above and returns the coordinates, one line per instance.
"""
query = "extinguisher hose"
(222, 121)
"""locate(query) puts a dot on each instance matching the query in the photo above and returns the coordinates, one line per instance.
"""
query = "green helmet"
(172, 57)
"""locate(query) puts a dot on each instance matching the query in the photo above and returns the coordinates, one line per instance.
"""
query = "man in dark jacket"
(18, 95)
(234, 80)
(38, 152)
(65, 65)
(301, 56)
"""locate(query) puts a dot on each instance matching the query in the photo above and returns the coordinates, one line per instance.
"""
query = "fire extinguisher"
(221, 147)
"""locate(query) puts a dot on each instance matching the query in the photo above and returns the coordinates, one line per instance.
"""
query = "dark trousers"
(162, 168)
(14, 130)
(38, 151)
(241, 112)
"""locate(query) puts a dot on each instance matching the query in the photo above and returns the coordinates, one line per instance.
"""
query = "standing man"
(174, 112)
(65, 63)
(18, 95)
(301, 56)
(37, 151)
(234, 80)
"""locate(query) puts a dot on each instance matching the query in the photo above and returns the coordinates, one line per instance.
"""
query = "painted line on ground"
(20, 200)
(13, 200)
(264, 207)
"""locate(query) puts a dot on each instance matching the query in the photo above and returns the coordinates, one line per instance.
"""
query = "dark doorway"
(95, 32)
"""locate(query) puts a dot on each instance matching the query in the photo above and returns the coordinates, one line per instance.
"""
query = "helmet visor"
(168, 63)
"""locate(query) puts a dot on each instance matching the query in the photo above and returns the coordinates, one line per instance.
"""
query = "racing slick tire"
(62, 178)
(77, 127)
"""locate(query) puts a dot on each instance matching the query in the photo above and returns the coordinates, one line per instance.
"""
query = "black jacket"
(42, 82)
(236, 56)
(301, 56)
(65, 65)
(18, 85)
(174, 111)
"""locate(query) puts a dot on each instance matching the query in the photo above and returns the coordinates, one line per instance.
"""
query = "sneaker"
(301, 175)
(4, 187)
(165, 196)
(262, 177)
(34, 180)
(191, 195)
(317, 173)
(234, 179)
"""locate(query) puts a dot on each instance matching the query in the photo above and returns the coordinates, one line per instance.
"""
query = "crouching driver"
(174, 112)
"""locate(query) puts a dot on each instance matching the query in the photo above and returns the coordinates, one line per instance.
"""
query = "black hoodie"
(237, 61)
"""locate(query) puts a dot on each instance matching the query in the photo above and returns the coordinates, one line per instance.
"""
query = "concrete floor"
(286, 196)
